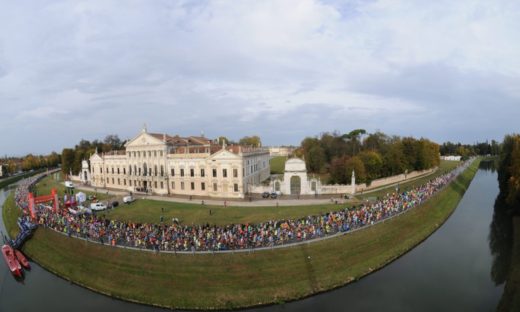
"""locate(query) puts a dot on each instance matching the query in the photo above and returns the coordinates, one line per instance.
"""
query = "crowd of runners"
(206, 237)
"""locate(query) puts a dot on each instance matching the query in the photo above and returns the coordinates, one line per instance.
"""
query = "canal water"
(450, 271)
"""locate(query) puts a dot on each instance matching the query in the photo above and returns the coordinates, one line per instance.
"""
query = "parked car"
(98, 206)
(274, 195)
(265, 195)
(69, 184)
(128, 199)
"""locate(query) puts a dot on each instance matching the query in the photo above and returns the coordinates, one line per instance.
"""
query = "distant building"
(281, 150)
(162, 164)
(3, 171)
(451, 158)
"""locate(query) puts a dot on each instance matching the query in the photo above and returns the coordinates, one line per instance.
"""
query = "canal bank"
(235, 280)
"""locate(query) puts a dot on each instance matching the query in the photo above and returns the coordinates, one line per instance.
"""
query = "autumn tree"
(253, 141)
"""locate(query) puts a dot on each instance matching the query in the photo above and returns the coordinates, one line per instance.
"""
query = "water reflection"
(488, 165)
(501, 243)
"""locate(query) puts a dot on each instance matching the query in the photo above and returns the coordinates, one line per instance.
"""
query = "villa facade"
(172, 165)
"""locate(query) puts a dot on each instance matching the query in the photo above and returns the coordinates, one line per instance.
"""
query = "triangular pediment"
(95, 157)
(144, 139)
(224, 154)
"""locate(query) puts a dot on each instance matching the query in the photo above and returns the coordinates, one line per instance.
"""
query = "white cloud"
(280, 69)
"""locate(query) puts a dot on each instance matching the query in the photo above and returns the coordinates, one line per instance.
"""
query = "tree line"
(509, 172)
(71, 157)
(467, 150)
(370, 155)
(29, 162)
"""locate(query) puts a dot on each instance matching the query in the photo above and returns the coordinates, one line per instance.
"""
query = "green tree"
(222, 140)
(355, 163)
(373, 163)
(67, 160)
(250, 141)
(354, 138)
(338, 170)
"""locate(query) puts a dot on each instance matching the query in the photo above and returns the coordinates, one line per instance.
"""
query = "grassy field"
(45, 186)
(277, 164)
(151, 211)
(243, 279)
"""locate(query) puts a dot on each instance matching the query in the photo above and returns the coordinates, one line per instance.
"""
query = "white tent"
(81, 197)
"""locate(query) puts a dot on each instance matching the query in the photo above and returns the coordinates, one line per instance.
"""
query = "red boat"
(10, 259)
(21, 259)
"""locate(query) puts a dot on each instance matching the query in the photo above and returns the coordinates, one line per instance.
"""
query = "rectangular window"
(235, 187)
(149, 171)
(182, 172)
(203, 186)
(182, 185)
(108, 180)
(124, 170)
(235, 173)
(155, 184)
(124, 182)
(154, 153)
(162, 185)
(192, 186)
(214, 173)
(118, 181)
(173, 185)
(173, 172)
(162, 171)
(192, 172)
(161, 153)
(130, 182)
(215, 187)
(202, 173)
(149, 153)
(224, 173)
(113, 181)
(100, 170)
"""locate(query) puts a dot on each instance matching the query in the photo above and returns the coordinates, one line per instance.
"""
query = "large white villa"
(162, 164)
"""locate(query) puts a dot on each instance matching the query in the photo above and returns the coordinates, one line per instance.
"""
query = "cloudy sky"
(445, 70)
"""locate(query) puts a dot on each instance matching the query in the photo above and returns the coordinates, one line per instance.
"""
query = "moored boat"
(12, 263)
(22, 259)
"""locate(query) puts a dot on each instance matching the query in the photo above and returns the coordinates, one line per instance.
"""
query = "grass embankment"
(243, 279)
(277, 164)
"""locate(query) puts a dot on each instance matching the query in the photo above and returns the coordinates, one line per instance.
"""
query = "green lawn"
(244, 279)
(150, 211)
(45, 186)
(277, 164)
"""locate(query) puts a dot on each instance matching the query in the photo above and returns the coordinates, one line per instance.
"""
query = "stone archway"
(296, 185)
(277, 186)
